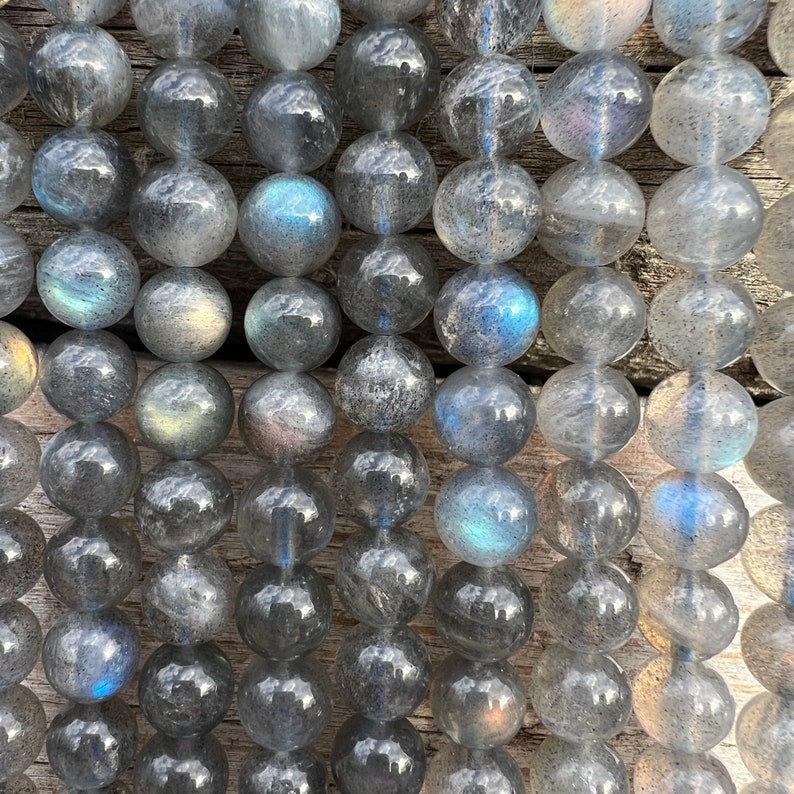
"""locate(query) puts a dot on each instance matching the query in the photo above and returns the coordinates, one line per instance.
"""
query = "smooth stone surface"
(22, 546)
(771, 348)
(458, 770)
(166, 765)
(779, 33)
(19, 464)
(763, 737)
(778, 133)
(393, 10)
(509, 22)
(16, 163)
(662, 771)
(94, 11)
(561, 767)
(594, 24)
(20, 642)
(19, 368)
(767, 553)
(300, 772)
(768, 647)
(17, 271)
(769, 460)
(13, 62)
(23, 726)
(774, 251)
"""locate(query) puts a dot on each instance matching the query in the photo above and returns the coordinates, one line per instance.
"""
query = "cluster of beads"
(290, 226)
(765, 727)
(386, 78)
(486, 212)
(184, 214)
(22, 720)
(709, 109)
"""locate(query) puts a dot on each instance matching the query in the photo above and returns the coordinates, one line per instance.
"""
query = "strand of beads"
(22, 720)
(290, 226)
(710, 108)
(386, 78)
(486, 212)
(765, 727)
(595, 106)
(83, 178)
(184, 214)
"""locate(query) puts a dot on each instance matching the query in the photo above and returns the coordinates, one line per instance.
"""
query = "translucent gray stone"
(778, 132)
(763, 737)
(392, 10)
(79, 75)
(183, 506)
(88, 375)
(781, 27)
(284, 705)
(587, 511)
(194, 28)
(21, 554)
(593, 213)
(186, 691)
(378, 756)
(17, 271)
(580, 697)
(301, 771)
(387, 285)
(486, 211)
(19, 462)
(593, 315)
(596, 105)
(183, 213)
(387, 75)
(187, 108)
(292, 122)
(289, 224)
(19, 365)
(23, 725)
(709, 109)
(187, 599)
(92, 563)
(285, 515)
(94, 11)
(383, 673)
(20, 643)
(89, 469)
(483, 614)
(183, 314)
(508, 23)
(769, 460)
(560, 767)
(478, 705)
(705, 218)
(458, 770)
(90, 656)
(767, 553)
(283, 614)
(17, 162)
(90, 745)
(702, 321)
(488, 106)
(192, 766)
(285, 36)
(23, 785)
(662, 771)
(593, 24)
(770, 349)
(384, 578)
(379, 479)
(385, 182)
(13, 61)
(774, 251)
(767, 644)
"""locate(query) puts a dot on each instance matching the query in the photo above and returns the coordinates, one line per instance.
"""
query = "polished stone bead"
(17, 159)
(378, 756)
(289, 224)
(292, 122)
(763, 737)
(183, 213)
(19, 463)
(287, 36)
(483, 614)
(183, 314)
(21, 554)
(592, 213)
(702, 321)
(24, 785)
(79, 75)
(23, 726)
(90, 745)
(693, 521)
(380, 479)
(662, 771)
(195, 28)
(489, 106)
(779, 33)
(389, 10)
(387, 76)
(777, 137)
(187, 599)
(769, 462)
(285, 516)
(89, 469)
(476, 27)
(774, 251)
(187, 108)
(484, 415)
(587, 511)
(383, 673)
(19, 368)
(301, 771)
(181, 766)
(92, 563)
(768, 647)
(709, 109)
(284, 705)
(186, 691)
(580, 697)
(771, 349)
(20, 642)
(560, 767)
(385, 182)
(596, 105)
(705, 218)
(593, 315)
(183, 506)
(88, 375)
(17, 270)
(459, 770)
(283, 615)
(384, 578)
(487, 316)
(594, 24)
(90, 656)
(486, 211)
(767, 553)
(94, 11)
(387, 285)
(683, 705)
(13, 62)
(700, 422)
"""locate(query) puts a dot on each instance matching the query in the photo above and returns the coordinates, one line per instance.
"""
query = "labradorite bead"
(766, 554)
(660, 769)
(23, 726)
(301, 771)
(20, 642)
(13, 61)
(781, 25)
(17, 163)
(166, 765)
(776, 138)
(769, 460)
(21, 554)
(774, 251)
(19, 462)
(763, 737)
(767, 643)
(593, 24)
(94, 11)
(560, 766)
(477, 27)
(459, 770)
(390, 10)
(17, 270)
(19, 368)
